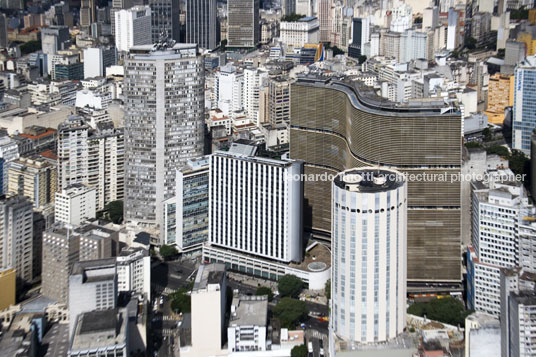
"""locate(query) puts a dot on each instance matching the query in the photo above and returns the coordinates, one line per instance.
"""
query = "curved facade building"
(337, 125)
(369, 226)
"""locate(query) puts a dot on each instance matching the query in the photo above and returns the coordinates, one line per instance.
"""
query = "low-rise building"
(103, 333)
(248, 324)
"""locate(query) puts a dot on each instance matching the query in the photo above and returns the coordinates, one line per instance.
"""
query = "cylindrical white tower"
(369, 261)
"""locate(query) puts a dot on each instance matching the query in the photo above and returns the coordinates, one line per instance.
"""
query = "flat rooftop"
(250, 311)
(369, 180)
(98, 329)
(209, 274)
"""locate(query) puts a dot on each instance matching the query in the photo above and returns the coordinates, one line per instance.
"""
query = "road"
(166, 277)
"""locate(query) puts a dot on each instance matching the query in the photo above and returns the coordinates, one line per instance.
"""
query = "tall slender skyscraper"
(243, 28)
(164, 95)
(201, 23)
(165, 19)
(369, 224)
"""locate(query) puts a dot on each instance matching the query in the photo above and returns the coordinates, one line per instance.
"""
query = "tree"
(290, 312)
(113, 211)
(290, 285)
(519, 163)
(498, 150)
(473, 145)
(292, 17)
(181, 302)
(299, 351)
(168, 251)
(447, 310)
(487, 134)
(470, 43)
(263, 290)
(30, 47)
(327, 289)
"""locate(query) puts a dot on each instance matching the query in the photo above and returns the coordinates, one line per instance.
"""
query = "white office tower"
(75, 204)
(255, 206)
(92, 286)
(208, 311)
(401, 18)
(253, 80)
(229, 89)
(96, 59)
(134, 271)
(16, 236)
(201, 23)
(369, 243)
(295, 34)
(304, 7)
(498, 208)
(133, 27)
(452, 29)
(164, 124)
(72, 151)
(9, 151)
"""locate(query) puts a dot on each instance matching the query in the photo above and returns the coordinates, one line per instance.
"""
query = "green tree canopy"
(30, 47)
(290, 312)
(263, 290)
(292, 17)
(113, 211)
(290, 285)
(168, 251)
(447, 310)
(181, 301)
(299, 351)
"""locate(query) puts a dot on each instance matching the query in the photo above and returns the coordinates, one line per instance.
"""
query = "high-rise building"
(295, 34)
(253, 81)
(34, 178)
(518, 312)
(369, 254)
(497, 207)
(208, 310)
(106, 161)
(164, 100)
(243, 28)
(304, 7)
(134, 271)
(201, 23)
(279, 101)
(61, 249)
(523, 116)
(92, 156)
(360, 36)
(63, 246)
(325, 17)
(3, 31)
(229, 88)
(288, 7)
(72, 151)
(92, 287)
(452, 29)
(87, 13)
(337, 125)
(96, 59)
(187, 213)
(54, 39)
(165, 19)
(133, 28)
(9, 151)
(75, 203)
(255, 225)
(16, 236)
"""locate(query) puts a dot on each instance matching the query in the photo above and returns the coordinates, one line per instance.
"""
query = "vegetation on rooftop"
(447, 310)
